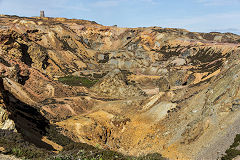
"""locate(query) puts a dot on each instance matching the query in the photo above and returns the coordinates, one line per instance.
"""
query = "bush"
(232, 152)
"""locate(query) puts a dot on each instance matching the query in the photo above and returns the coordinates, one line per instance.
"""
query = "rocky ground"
(6, 157)
(134, 91)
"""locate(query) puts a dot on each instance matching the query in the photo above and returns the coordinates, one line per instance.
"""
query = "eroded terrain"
(136, 91)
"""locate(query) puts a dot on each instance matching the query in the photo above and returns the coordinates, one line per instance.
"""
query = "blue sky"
(194, 15)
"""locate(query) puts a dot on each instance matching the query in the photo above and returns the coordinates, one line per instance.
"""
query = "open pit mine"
(75, 89)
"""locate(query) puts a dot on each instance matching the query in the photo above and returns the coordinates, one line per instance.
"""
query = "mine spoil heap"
(135, 91)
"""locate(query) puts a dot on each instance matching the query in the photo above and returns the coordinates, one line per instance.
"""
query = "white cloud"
(149, 1)
(114, 3)
(106, 3)
(218, 2)
(232, 30)
(52, 8)
(223, 22)
(64, 4)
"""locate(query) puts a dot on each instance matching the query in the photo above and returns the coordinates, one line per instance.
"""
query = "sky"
(193, 15)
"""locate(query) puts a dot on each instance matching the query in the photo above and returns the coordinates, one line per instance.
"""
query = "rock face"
(159, 90)
(5, 122)
(114, 85)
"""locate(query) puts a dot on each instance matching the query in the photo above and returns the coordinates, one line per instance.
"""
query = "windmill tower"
(42, 14)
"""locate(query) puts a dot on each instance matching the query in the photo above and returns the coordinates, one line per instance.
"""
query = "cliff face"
(163, 90)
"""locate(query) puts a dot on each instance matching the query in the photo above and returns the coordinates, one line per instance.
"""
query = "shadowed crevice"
(28, 120)
(25, 55)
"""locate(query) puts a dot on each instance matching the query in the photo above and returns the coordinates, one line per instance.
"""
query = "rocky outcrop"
(115, 85)
(5, 122)
(6, 157)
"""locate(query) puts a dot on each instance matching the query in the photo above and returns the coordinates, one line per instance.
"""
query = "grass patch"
(104, 155)
(232, 152)
(14, 144)
(77, 81)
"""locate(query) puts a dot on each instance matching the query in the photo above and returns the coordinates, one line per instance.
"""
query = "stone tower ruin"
(42, 14)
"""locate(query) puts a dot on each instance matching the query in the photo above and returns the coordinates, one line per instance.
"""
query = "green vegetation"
(77, 81)
(100, 156)
(232, 152)
(14, 144)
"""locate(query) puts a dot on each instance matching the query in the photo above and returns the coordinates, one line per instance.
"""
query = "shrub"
(232, 152)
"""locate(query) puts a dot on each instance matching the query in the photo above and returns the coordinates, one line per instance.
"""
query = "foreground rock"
(5, 157)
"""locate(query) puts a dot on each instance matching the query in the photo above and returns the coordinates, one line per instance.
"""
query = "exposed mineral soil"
(158, 90)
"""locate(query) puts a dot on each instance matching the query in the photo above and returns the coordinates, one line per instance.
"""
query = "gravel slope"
(7, 157)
